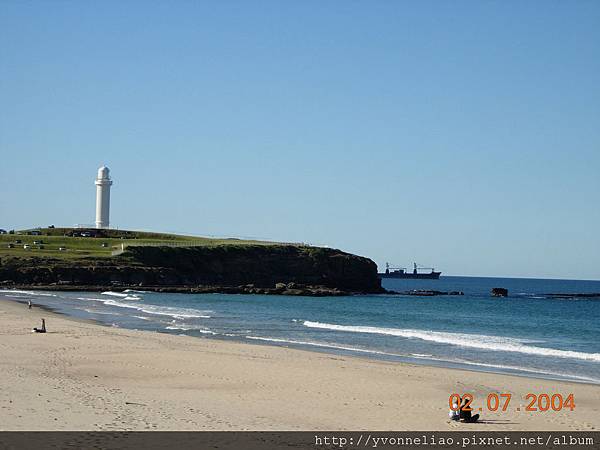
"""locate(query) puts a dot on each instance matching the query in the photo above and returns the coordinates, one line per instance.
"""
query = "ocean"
(526, 334)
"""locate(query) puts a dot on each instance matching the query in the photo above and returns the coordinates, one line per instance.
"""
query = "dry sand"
(83, 376)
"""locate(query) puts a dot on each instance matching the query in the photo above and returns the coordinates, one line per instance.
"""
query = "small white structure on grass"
(103, 184)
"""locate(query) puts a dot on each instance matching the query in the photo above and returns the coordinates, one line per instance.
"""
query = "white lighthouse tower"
(103, 184)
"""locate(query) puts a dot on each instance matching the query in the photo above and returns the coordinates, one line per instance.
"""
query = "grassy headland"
(102, 243)
(89, 259)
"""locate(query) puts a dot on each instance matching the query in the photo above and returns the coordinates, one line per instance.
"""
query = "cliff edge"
(267, 269)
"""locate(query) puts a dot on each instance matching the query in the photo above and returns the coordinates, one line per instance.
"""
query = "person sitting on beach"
(42, 329)
(454, 412)
(465, 414)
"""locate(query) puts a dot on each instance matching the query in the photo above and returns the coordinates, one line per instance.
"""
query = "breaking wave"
(176, 313)
(122, 295)
(483, 342)
(185, 327)
(38, 293)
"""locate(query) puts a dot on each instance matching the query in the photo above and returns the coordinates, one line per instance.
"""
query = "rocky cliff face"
(260, 268)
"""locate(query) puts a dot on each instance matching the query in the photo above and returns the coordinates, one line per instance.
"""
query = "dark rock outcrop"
(499, 292)
(266, 269)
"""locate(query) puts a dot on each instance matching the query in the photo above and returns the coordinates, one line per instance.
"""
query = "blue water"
(525, 334)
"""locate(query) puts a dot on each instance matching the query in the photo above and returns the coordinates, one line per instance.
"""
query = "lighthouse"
(103, 184)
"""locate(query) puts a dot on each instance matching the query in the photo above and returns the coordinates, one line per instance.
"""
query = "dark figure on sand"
(42, 329)
(465, 416)
(29, 304)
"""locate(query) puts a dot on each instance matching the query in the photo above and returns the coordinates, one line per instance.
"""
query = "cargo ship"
(401, 272)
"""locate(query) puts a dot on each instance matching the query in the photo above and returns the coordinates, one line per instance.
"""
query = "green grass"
(91, 247)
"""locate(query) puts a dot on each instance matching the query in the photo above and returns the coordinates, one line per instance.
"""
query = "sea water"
(527, 333)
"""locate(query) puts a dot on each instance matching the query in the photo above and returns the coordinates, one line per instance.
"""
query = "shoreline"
(84, 376)
(290, 289)
(335, 350)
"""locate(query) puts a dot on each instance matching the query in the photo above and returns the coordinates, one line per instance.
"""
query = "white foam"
(176, 313)
(38, 293)
(122, 295)
(182, 327)
(114, 294)
(493, 343)
(108, 313)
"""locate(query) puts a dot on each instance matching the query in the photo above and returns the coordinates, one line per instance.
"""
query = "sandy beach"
(84, 376)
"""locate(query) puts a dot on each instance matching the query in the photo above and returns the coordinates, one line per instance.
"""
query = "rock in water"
(499, 292)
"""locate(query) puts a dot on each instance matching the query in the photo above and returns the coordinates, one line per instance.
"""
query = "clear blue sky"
(460, 134)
